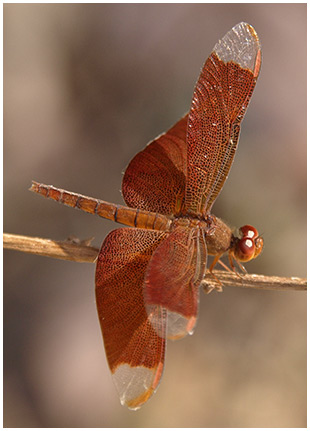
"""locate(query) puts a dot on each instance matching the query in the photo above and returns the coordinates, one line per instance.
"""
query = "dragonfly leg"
(217, 283)
(231, 262)
(225, 266)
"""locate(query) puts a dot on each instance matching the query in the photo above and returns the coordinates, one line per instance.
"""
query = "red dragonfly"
(148, 275)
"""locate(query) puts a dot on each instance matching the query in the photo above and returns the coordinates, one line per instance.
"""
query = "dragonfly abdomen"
(121, 214)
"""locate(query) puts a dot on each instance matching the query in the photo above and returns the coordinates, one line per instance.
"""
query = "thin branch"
(83, 252)
(255, 281)
(66, 250)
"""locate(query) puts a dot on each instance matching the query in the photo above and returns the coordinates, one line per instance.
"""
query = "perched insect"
(148, 276)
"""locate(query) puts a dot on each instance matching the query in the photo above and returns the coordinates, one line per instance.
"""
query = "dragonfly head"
(249, 245)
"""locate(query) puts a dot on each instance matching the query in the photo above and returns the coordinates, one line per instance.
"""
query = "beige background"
(85, 88)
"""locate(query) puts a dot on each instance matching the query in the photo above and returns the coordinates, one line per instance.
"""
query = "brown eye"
(245, 249)
(248, 231)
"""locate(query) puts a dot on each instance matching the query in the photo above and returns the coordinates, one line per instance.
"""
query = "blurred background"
(85, 88)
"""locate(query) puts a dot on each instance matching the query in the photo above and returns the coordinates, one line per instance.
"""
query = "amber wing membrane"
(220, 99)
(134, 349)
(155, 178)
(173, 277)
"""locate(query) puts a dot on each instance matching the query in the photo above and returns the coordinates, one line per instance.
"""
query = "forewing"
(134, 350)
(220, 99)
(155, 178)
(173, 278)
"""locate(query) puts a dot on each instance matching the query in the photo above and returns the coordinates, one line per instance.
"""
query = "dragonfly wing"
(220, 99)
(173, 278)
(155, 178)
(135, 351)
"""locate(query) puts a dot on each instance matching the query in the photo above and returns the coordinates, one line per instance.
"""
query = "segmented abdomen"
(119, 213)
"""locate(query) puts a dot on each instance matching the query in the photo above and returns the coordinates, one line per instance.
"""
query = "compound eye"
(248, 231)
(245, 249)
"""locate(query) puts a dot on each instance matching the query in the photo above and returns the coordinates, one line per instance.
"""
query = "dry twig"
(66, 250)
(81, 252)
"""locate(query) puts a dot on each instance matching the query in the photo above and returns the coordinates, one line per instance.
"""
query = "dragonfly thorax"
(219, 238)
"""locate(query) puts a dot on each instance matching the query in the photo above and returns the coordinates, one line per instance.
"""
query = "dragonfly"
(149, 273)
